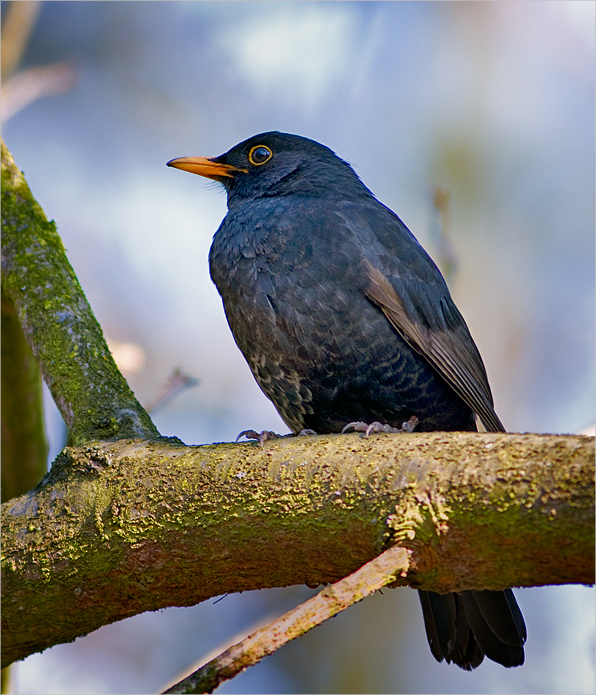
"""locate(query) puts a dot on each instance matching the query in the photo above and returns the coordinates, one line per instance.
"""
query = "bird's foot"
(266, 435)
(375, 427)
(372, 428)
(261, 437)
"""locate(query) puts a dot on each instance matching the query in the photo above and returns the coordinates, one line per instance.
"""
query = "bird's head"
(277, 164)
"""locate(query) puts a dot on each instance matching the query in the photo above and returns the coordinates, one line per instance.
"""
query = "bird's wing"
(413, 296)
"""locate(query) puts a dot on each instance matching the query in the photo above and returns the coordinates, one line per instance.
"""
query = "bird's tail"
(461, 628)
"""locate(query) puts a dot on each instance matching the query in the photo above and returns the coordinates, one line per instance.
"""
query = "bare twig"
(28, 85)
(372, 576)
(447, 258)
(177, 382)
(16, 29)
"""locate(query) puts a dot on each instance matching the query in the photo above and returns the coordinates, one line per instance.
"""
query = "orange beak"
(205, 167)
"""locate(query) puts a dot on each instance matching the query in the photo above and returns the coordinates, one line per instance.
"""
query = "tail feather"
(500, 610)
(462, 628)
(467, 653)
(449, 634)
(487, 623)
(440, 622)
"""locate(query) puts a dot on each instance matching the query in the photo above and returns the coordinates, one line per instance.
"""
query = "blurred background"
(491, 103)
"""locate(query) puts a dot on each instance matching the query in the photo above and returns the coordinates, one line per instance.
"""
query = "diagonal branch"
(373, 576)
(91, 394)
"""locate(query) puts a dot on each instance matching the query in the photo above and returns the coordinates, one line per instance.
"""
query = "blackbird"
(345, 320)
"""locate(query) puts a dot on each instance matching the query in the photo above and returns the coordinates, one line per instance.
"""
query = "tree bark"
(119, 528)
(91, 394)
(24, 443)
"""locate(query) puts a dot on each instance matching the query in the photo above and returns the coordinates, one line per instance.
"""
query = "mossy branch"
(24, 443)
(124, 527)
(91, 394)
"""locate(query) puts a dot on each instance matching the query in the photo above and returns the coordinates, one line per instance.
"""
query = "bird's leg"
(375, 427)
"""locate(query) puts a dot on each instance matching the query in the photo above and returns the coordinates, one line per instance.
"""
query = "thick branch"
(124, 527)
(93, 397)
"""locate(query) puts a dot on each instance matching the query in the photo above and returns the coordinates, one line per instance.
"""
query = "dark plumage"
(342, 316)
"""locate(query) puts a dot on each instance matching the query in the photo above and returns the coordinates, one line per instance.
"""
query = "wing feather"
(449, 348)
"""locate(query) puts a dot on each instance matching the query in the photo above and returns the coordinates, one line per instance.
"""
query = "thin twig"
(177, 382)
(17, 26)
(29, 85)
(333, 599)
(447, 258)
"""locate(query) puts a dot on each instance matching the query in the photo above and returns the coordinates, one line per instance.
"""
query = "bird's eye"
(259, 155)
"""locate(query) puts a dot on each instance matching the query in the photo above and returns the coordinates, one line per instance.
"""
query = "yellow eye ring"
(259, 154)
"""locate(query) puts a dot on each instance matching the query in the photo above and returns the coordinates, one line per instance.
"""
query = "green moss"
(92, 395)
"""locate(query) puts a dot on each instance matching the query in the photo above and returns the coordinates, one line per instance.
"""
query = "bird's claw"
(376, 427)
(369, 428)
(410, 424)
(260, 437)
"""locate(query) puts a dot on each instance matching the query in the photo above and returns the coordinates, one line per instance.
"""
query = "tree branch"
(91, 394)
(24, 443)
(153, 524)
